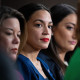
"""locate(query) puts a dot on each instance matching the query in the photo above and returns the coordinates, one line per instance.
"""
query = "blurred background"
(18, 3)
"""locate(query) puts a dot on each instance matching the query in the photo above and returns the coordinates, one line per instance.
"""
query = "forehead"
(11, 19)
(70, 18)
(41, 14)
(10, 22)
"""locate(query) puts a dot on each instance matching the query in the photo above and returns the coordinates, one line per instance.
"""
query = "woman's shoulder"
(73, 70)
(53, 66)
(24, 67)
(47, 59)
(23, 61)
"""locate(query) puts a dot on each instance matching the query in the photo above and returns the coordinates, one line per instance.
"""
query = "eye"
(18, 35)
(8, 33)
(38, 25)
(70, 27)
(50, 26)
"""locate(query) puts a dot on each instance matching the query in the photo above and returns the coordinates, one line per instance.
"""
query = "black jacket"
(54, 68)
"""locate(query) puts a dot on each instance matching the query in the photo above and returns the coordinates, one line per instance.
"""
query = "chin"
(13, 57)
(71, 49)
(39, 47)
(44, 47)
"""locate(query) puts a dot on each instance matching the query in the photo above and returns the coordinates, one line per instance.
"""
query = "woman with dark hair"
(39, 24)
(73, 70)
(63, 39)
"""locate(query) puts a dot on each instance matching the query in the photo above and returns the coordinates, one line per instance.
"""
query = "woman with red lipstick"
(63, 39)
(39, 24)
(12, 27)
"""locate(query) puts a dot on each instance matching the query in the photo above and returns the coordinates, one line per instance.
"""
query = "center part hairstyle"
(28, 9)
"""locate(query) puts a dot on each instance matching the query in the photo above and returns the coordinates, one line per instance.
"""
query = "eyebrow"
(9, 29)
(71, 23)
(42, 21)
(12, 29)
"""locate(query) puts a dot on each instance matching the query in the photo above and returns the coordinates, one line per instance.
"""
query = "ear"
(51, 33)
(53, 29)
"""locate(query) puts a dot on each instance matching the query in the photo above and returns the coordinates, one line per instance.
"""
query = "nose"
(45, 31)
(16, 40)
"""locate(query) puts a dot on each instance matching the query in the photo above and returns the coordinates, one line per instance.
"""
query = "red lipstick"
(45, 39)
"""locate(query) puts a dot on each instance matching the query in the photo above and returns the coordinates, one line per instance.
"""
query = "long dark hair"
(29, 9)
(58, 13)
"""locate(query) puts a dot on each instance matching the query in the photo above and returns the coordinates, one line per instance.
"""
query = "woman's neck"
(61, 53)
(62, 56)
(30, 53)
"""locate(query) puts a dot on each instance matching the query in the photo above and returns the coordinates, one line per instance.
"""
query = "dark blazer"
(54, 68)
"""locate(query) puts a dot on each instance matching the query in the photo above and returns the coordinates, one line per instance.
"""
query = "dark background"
(18, 3)
(0, 2)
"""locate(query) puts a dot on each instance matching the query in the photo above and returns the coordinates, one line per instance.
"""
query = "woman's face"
(64, 33)
(9, 36)
(39, 30)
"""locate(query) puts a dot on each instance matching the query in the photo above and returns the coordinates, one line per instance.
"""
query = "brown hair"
(7, 12)
(78, 24)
